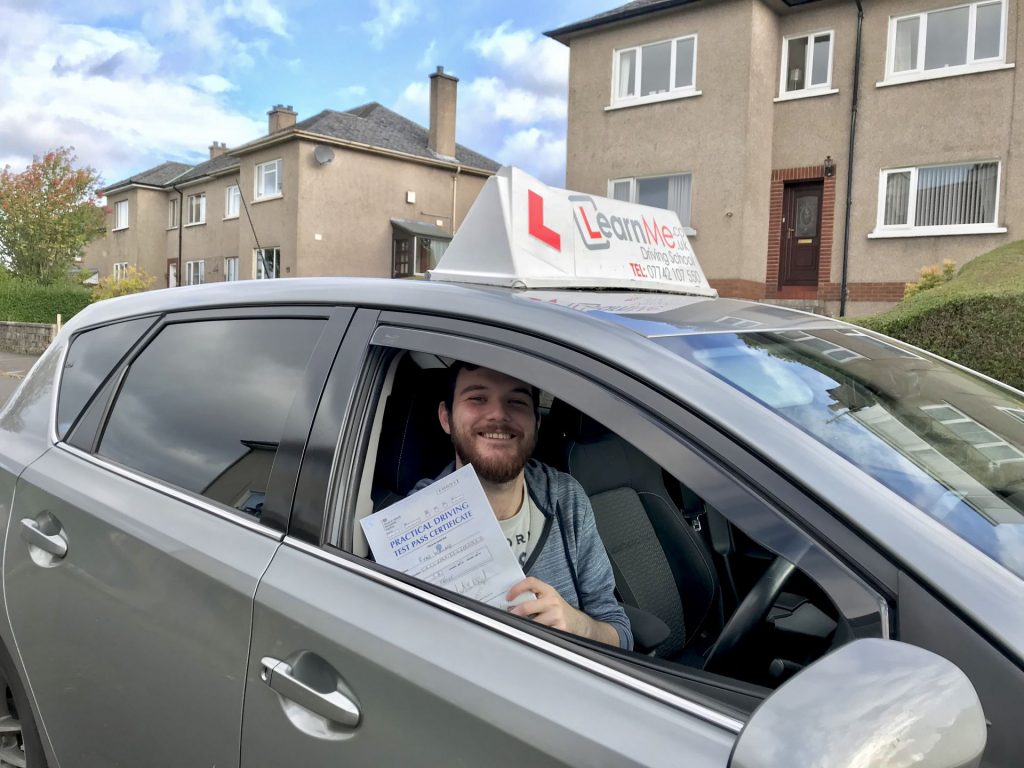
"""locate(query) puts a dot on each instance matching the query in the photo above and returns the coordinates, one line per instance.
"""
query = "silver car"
(817, 533)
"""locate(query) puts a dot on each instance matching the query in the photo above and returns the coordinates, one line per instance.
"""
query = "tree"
(48, 214)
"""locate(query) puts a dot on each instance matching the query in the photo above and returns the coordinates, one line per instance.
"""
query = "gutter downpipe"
(843, 289)
(181, 228)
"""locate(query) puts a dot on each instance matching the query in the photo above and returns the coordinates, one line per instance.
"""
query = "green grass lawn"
(976, 319)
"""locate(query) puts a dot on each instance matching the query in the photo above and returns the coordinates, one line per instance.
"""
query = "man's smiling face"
(493, 423)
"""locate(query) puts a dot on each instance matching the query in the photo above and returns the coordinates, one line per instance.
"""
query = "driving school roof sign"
(525, 234)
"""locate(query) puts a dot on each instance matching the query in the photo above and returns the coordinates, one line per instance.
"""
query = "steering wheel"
(750, 613)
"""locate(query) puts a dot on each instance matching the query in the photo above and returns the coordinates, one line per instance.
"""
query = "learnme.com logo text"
(598, 229)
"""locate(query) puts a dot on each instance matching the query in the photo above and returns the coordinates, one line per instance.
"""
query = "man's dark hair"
(453, 375)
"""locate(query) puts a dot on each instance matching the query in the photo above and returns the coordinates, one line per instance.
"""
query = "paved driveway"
(12, 369)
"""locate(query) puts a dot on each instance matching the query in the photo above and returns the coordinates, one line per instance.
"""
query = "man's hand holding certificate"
(447, 534)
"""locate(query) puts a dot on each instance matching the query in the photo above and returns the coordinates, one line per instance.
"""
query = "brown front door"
(801, 233)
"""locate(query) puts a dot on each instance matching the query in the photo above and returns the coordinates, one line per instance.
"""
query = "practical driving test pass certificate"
(447, 534)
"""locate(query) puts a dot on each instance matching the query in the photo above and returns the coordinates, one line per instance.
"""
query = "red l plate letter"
(536, 223)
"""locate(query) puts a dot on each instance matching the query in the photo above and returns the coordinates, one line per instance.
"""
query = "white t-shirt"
(523, 529)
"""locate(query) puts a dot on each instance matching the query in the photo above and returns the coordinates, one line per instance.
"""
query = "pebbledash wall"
(26, 338)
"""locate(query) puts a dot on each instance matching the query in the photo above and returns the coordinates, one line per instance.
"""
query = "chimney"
(216, 150)
(443, 88)
(281, 117)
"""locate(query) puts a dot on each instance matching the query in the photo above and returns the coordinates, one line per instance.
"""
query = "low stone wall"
(26, 338)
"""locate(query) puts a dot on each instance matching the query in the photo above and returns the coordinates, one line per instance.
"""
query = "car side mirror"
(870, 702)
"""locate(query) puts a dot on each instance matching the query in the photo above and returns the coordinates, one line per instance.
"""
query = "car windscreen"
(945, 439)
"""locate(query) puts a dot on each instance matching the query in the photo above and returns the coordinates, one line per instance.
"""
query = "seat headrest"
(599, 459)
(412, 445)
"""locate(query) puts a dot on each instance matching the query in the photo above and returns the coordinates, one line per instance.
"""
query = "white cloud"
(101, 91)
(427, 59)
(516, 112)
(214, 84)
(539, 151)
(526, 56)
(391, 15)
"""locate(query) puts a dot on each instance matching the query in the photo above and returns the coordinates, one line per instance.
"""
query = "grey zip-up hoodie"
(570, 555)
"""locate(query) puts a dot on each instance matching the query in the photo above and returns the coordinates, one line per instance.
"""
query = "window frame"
(808, 90)
(191, 267)
(257, 262)
(632, 181)
(971, 65)
(121, 213)
(199, 205)
(673, 92)
(232, 194)
(339, 444)
(119, 270)
(259, 181)
(173, 213)
(85, 434)
(230, 269)
(883, 230)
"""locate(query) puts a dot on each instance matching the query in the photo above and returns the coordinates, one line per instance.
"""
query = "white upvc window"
(231, 269)
(172, 213)
(947, 41)
(655, 72)
(267, 263)
(120, 215)
(673, 192)
(197, 209)
(268, 180)
(120, 271)
(194, 272)
(956, 199)
(232, 198)
(806, 65)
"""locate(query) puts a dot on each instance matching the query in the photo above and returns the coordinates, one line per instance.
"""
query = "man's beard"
(493, 469)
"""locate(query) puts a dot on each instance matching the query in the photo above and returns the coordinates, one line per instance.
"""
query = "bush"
(937, 274)
(25, 301)
(134, 280)
(975, 318)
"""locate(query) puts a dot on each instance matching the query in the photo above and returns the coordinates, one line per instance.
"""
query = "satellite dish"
(323, 154)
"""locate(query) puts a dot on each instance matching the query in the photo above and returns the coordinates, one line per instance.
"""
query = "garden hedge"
(976, 319)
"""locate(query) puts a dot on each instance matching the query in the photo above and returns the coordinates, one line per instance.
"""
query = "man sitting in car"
(493, 420)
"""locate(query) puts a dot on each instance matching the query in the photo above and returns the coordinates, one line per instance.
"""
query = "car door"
(145, 533)
(355, 665)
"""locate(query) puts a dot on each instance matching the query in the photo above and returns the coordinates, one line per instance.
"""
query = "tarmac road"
(12, 370)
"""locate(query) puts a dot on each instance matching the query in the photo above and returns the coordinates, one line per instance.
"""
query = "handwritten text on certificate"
(447, 534)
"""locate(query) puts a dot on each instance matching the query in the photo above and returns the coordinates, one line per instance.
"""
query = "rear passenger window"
(204, 406)
(92, 357)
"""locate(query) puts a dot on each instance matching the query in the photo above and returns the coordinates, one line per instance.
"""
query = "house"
(820, 151)
(362, 192)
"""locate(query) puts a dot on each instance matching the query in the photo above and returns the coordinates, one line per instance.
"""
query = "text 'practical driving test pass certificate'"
(447, 534)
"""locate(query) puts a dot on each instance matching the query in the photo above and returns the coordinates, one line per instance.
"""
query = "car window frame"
(284, 470)
(341, 445)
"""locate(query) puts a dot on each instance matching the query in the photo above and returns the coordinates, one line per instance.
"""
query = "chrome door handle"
(333, 705)
(54, 544)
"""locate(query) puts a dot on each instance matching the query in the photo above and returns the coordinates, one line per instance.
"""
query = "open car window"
(683, 550)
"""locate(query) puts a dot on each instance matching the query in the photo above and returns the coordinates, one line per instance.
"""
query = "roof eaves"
(563, 34)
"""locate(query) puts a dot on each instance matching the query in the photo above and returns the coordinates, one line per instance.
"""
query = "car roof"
(648, 314)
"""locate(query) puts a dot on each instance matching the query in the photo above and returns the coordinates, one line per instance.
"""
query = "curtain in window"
(679, 190)
(437, 249)
(897, 198)
(956, 194)
(905, 55)
(627, 67)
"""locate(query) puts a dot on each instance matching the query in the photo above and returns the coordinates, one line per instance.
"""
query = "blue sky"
(132, 83)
